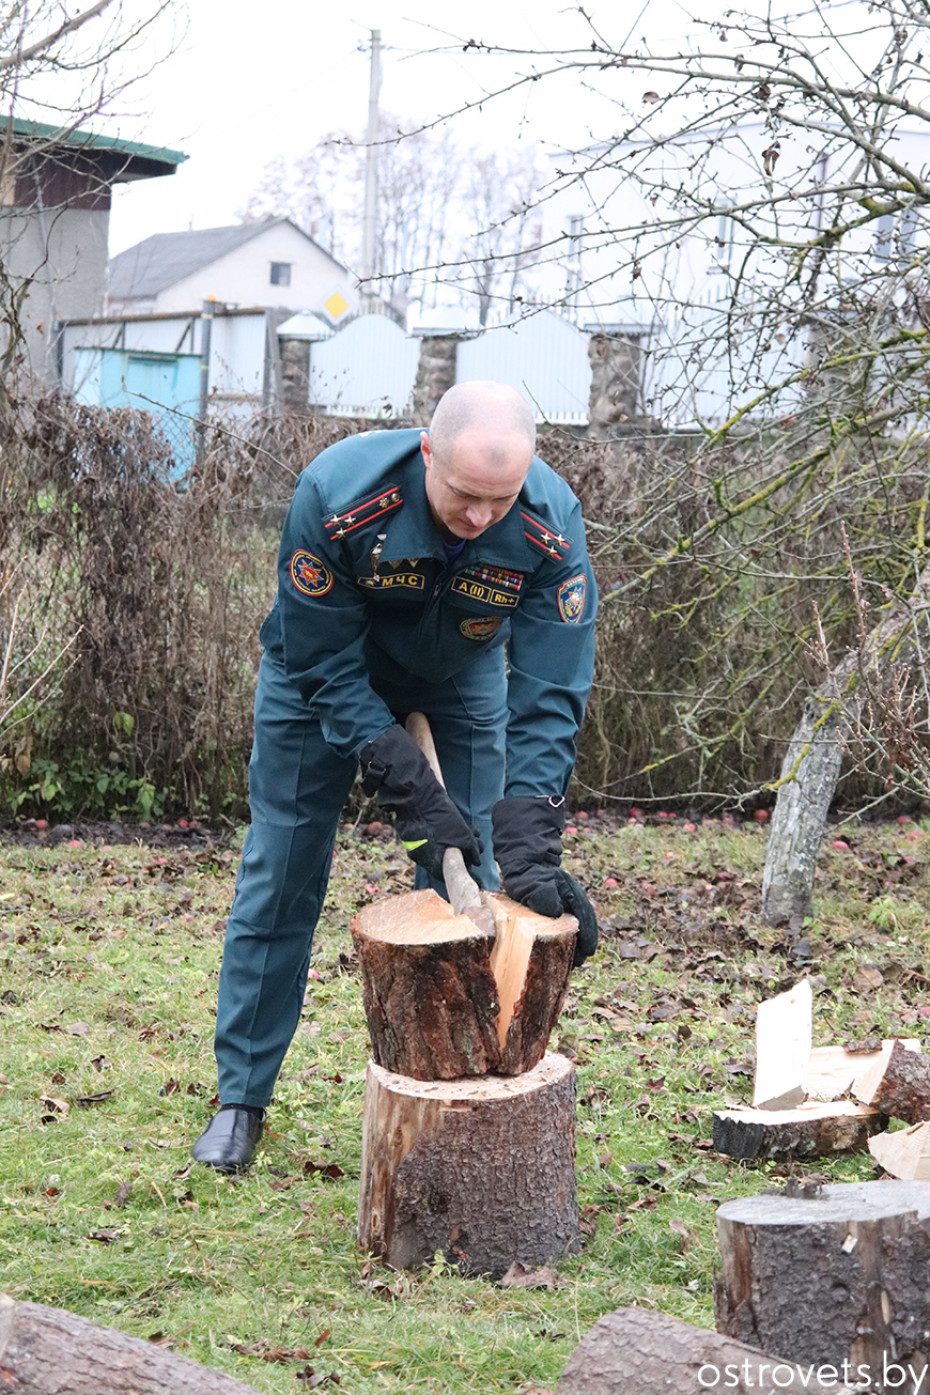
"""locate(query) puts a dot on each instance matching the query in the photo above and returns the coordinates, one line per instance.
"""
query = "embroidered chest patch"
(483, 627)
(309, 575)
(390, 581)
(479, 591)
(571, 598)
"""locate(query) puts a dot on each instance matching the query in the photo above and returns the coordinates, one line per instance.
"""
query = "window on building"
(280, 273)
(722, 245)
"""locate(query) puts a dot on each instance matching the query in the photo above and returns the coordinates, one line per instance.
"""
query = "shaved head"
(477, 455)
(493, 409)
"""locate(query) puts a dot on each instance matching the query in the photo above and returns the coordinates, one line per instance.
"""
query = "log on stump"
(812, 1130)
(444, 1002)
(636, 1352)
(47, 1351)
(902, 1089)
(482, 1171)
(840, 1276)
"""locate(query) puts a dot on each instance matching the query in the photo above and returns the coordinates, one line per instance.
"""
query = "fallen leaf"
(523, 1276)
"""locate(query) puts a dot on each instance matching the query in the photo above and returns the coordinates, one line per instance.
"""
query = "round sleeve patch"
(309, 575)
(571, 597)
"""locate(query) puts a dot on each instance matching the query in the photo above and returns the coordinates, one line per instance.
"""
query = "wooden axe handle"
(462, 888)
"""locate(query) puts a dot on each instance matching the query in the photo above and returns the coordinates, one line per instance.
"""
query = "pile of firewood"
(814, 1101)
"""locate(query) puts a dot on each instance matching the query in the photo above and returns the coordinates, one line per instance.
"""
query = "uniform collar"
(413, 533)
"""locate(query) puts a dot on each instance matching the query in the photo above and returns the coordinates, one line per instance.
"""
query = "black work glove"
(528, 848)
(397, 773)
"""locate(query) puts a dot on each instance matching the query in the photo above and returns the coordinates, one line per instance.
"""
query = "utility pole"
(371, 166)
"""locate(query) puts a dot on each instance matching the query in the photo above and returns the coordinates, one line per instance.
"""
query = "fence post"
(206, 330)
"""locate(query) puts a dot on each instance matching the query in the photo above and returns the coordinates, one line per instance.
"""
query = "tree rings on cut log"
(840, 1276)
(811, 1131)
(482, 1171)
(444, 1002)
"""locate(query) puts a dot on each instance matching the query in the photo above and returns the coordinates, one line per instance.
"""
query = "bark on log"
(444, 1002)
(904, 1089)
(834, 1071)
(480, 1170)
(838, 1277)
(812, 1130)
(811, 767)
(636, 1352)
(47, 1351)
(429, 994)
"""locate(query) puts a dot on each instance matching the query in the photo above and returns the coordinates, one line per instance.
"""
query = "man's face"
(476, 482)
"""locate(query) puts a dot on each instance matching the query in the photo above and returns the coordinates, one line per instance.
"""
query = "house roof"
(164, 259)
(128, 159)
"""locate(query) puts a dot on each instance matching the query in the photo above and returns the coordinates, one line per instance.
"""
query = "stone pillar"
(435, 374)
(613, 406)
(295, 375)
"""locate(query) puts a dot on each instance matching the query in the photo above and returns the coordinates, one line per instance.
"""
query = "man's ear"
(425, 449)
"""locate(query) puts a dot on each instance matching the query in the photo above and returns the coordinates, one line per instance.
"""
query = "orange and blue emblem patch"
(481, 627)
(309, 575)
(571, 598)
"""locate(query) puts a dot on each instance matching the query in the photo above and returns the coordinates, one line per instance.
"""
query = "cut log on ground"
(637, 1352)
(444, 1002)
(482, 1171)
(841, 1276)
(813, 1130)
(904, 1153)
(834, 1071)
(46, 1351)
(901, 1088)
(783, 1048)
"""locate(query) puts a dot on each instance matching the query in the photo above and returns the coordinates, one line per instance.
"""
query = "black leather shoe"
(229, 1140)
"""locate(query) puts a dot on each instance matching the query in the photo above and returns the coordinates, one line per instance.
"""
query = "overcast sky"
(249, 81)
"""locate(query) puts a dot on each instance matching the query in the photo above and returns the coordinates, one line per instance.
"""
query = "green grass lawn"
(109, 966)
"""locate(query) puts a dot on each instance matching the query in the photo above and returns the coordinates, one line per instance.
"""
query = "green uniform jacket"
(362, 573)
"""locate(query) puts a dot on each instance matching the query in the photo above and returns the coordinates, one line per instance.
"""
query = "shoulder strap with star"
(554, 545)
(367, 511)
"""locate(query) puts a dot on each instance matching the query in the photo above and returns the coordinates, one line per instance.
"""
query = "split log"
(812, 1130)
(783, 1048)
(899, 1086)
(482, 1171)
(834, 1071)
(45, 1351)
(637, 1352)
(444, 1002)
(904, 1153)
(838, 1277)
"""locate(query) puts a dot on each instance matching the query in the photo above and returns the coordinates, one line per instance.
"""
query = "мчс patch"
(309, 575)
(571, 598)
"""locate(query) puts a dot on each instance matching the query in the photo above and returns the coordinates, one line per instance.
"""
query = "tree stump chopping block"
(47, 1351)
(481, 1170)
(839, 1276)
(443, 1001)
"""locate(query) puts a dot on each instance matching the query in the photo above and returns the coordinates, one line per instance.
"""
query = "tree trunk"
(46, 1351)
(443, 1001)
(839, 1277)
(800, 815)
(637, 1352)
(811, 767)
(481, 1170)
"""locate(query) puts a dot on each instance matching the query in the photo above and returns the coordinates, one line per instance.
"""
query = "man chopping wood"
(441, 571)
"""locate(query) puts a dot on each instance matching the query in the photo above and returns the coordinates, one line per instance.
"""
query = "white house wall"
(243, 276)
